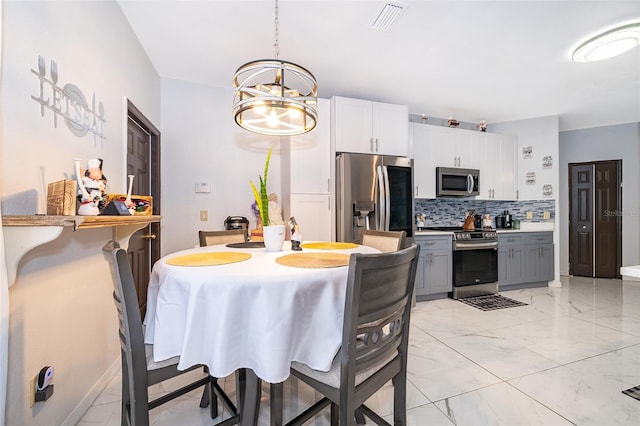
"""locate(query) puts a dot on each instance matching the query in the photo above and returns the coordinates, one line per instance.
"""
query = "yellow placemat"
(209, 259)
(328, 245)
(314, 260)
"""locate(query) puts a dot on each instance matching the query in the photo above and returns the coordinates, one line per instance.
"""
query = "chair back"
(129, 321)
(385, 241)
(212, 238)
(377, 309)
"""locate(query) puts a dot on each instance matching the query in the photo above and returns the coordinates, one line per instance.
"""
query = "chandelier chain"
(275, 42)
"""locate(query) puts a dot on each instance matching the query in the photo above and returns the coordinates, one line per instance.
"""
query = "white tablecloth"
(254, 314)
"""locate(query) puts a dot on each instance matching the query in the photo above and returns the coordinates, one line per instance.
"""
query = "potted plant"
(273, 235)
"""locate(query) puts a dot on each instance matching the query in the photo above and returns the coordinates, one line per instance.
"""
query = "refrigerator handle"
(382, 205)
(387, 197)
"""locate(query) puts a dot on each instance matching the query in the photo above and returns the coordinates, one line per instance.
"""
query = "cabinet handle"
(328, 184)
(417, 191)
(377, 147)
(371, 144)
(430, 257)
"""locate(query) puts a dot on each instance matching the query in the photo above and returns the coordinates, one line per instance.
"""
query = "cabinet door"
(469, 148)
(390, 129)
(313, 214)
(424, 171)
(443, 148)
(438, 271)
(352, 125)
(532, 263)
(506, 186)
(420, 289)
(546, 262)
(311, 156)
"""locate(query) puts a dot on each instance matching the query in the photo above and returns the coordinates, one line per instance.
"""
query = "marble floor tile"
(562, 359)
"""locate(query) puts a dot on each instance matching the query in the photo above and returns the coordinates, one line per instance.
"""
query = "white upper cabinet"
(369, 127)
(456, 148)
(424, 171)
(498, 177)
(491, 153)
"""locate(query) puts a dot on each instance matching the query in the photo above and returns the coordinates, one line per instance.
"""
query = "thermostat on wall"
(203, 187)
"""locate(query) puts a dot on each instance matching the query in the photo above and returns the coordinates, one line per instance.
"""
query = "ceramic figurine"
(296, 236)
(92, 186)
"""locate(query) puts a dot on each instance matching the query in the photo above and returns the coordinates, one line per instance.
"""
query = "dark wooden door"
(143, 162)
(595, 220)
(581, 219)
(608, 241)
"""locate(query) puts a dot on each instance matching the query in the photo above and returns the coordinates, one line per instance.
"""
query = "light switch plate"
(529, 215)
(202, 187)
(547, 215)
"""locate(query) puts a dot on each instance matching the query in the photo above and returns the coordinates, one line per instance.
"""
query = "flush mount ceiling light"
(609, 44)
(275, 97)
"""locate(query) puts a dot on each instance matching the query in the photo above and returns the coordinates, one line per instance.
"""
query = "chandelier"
(275, 97)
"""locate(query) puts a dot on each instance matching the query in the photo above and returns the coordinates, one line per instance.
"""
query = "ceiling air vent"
(387, 16)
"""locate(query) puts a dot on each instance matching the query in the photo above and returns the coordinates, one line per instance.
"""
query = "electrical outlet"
(547, 215)
(204, 215)
(529, 215)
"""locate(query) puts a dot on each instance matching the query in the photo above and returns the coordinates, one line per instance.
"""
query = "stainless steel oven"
(475, 263)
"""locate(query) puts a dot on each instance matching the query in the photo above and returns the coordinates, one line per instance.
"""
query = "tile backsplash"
(450, 211)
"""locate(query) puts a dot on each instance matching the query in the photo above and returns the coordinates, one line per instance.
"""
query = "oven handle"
(458, 246)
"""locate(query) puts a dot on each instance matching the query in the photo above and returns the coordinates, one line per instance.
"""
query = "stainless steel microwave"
(456, 182)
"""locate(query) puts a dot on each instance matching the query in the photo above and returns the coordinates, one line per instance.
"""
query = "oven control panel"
(475, 235)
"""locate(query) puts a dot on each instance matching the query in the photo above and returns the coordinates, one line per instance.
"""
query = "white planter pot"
(273, 237)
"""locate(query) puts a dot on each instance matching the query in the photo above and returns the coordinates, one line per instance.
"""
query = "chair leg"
(360, 417)
(209, 398)
(275, 399)
(335, 414)
(400, 398)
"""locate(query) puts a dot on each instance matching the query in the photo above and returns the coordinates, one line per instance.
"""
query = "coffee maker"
(505, 220)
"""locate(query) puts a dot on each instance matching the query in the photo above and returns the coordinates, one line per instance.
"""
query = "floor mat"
(633, 392)
(491, 302)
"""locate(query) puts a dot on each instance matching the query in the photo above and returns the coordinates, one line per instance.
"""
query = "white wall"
(62, 312)
(202, 142)
(542, 135)
(620, 142)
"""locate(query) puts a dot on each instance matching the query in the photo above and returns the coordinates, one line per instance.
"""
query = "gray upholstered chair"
(385, 241)
(139, 371)
(212, 238)
(374, 342)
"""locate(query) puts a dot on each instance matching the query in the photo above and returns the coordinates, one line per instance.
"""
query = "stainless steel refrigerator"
(373, 192)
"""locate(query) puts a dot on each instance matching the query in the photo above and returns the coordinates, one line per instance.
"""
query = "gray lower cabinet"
(525, 257)
(435, 269)
(539, 257)
(511, 259)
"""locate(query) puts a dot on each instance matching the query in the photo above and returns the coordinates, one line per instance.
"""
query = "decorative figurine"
(296, 236)
(127, 202)
(92, 186)
(275, 212)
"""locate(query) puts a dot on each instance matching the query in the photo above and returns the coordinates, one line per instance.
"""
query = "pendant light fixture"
(275, 97)
(609, 44)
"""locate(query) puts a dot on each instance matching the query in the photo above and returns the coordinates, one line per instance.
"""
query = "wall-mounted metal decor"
(547, 162)
(527, 152)
(531, 178)
(547, 191)
(68, 102)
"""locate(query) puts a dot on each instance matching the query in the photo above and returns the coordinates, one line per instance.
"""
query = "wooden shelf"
(78, 222)
(23, 233)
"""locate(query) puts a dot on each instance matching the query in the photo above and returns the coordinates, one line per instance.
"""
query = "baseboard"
(76, 414)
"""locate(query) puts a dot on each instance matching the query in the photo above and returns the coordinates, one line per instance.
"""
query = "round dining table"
(239, 307)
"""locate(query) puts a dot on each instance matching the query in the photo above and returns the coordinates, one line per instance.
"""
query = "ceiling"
(472, 60)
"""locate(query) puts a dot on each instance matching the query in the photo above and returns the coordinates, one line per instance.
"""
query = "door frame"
(154, 170)
(617, 214)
